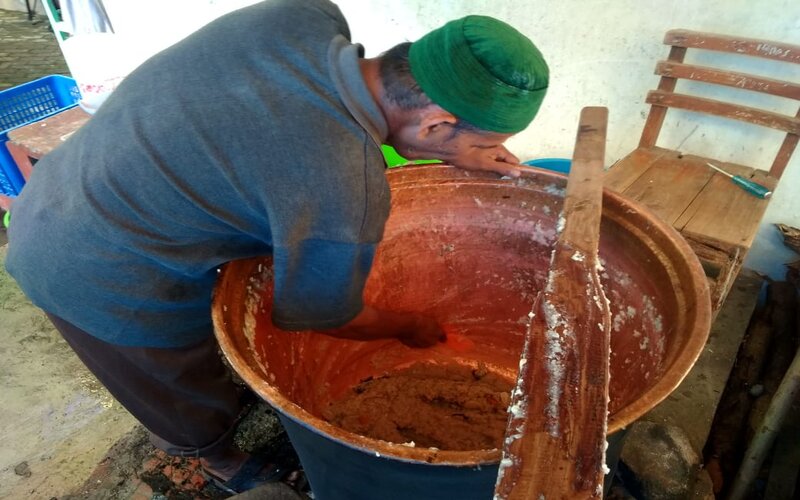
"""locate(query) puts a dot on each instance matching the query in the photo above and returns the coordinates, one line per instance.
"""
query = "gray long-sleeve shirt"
(254, 135)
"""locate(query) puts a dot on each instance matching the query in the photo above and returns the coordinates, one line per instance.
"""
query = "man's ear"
(432, 119)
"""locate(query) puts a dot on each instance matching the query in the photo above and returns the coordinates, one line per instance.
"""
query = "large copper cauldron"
(471, 250)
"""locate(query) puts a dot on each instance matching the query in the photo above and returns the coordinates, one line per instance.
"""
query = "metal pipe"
(765, 436)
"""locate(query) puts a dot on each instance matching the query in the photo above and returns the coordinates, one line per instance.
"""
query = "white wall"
(19, 5)
(600, 52)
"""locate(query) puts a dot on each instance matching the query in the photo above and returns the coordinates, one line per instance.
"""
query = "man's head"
(460, 91)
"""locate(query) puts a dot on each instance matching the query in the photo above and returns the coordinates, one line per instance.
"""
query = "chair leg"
(721, 263)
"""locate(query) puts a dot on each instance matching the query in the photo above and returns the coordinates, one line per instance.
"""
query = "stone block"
(663, 463)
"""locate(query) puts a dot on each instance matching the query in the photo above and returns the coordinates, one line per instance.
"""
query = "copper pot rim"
(674, 374)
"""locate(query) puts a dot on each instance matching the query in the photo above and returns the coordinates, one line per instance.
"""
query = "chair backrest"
(673, 68)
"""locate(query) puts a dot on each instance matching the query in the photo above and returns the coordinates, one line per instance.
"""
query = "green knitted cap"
(483, 71)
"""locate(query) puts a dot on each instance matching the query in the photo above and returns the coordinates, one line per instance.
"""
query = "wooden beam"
(555, 439)
(655, 119)
(732, 111)
(22, 158)
(626, 171)
(784, 153)
(5, 202)
(39, 138)
(767, 49)
(670, 185)
(729, 78)
(723, 211)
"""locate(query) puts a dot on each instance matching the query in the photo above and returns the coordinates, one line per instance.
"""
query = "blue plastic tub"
(340, 471)
(26, 104)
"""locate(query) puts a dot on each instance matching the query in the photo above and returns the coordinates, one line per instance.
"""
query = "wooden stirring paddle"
(555, 439)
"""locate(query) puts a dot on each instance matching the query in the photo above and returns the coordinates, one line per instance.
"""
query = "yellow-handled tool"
(751, 187)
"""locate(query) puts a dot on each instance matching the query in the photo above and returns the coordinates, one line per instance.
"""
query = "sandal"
(273, 491)
(257, 470)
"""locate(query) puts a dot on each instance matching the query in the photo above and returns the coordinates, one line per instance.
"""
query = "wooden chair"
(717, 218)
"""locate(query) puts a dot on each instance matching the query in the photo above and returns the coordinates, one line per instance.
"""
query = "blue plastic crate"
(26, 104)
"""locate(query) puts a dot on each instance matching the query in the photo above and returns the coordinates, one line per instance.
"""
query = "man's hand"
(497, 159)
(422, 332)
(414, 330)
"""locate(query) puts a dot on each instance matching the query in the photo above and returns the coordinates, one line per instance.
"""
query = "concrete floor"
(49, 398)
(50, 402)
(27, 50)
(65, 437)
(56, 421)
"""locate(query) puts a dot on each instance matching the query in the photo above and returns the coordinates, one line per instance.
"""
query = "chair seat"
(695, 199)
(716, 217)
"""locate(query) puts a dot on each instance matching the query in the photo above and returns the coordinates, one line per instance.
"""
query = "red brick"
(142, 492)
(197, 482)
(150, 464)
(180, 475)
